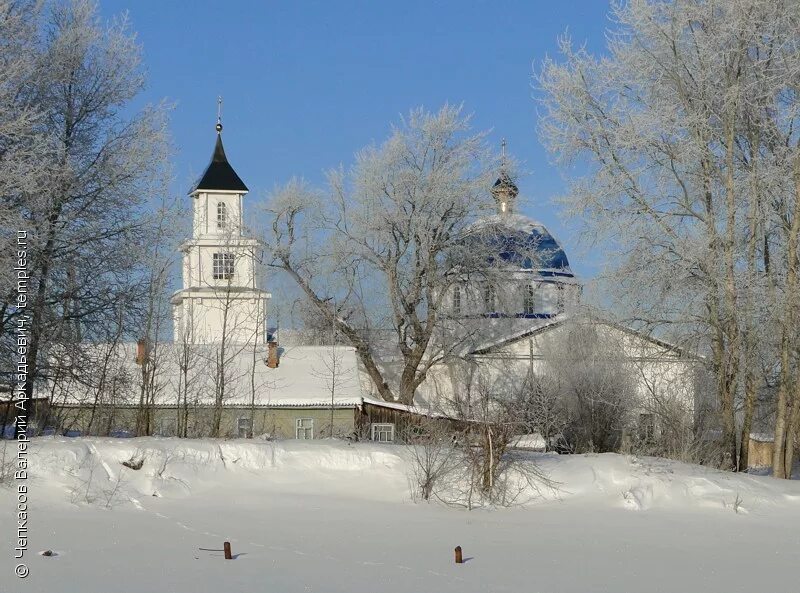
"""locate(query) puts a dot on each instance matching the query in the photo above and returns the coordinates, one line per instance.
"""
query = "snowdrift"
(340, 518)
(116, 471)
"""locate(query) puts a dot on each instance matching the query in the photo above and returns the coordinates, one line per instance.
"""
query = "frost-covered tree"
(98, 162)
(684, 147)
(376, 254)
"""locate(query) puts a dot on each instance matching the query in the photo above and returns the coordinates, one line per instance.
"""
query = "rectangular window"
(489, 299)
(456, 300)
(244, 428)
(304, 429)
(222, 215)
(529, 300)
(223, 266)
(383, 433)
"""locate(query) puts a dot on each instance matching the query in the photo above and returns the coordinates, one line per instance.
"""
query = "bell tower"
(220, 299)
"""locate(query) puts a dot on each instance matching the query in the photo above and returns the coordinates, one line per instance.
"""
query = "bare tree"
(541, 409)
(378, 254)
(484, 396)
(238, 330)
(155, 321)
(187, 362)
(596, 384)
(688, 131)
(85, 208)
(435, 461)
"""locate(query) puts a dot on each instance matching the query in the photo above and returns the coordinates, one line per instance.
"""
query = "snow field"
(324, 516)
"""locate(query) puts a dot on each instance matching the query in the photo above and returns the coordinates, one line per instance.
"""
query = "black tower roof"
(219, 174)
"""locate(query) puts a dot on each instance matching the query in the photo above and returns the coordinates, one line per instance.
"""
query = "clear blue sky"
(307, 83)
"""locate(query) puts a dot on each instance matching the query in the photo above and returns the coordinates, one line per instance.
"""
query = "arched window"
(456, 300)
(529, 300)
(222, 215)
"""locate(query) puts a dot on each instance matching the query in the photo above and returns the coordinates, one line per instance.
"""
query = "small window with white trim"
(222, 266)
(383, 433)
(456, 300)
(222, 215)
(304, 429)
(244, 428)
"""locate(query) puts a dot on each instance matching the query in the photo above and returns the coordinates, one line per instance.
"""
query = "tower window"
(222, 215)
(529, 300)
(223, 266)
(456, 300)
(489, 299)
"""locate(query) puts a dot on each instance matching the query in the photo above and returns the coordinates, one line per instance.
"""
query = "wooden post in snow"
(459, 557)
(227, 548)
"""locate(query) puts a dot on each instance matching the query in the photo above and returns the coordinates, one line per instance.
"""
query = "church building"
(224, 374)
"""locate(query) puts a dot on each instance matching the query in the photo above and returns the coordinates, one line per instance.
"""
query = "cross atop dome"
(504, 190)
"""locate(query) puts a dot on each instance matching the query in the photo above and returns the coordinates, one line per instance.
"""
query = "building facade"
(224, 368)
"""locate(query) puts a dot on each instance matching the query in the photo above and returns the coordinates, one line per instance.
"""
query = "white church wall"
(663, 379)
(242, 318)
(205, 213)
(198, 264)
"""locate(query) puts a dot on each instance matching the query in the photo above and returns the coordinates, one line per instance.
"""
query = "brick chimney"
(273, 360)
(141, 352)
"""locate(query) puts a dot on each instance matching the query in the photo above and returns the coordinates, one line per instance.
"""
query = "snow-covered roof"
(307, 376)
(551, 324)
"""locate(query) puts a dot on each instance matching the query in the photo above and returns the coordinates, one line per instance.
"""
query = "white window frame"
(456, 300)
(222, 215)
(299, 426)
(222, 266)
(381, 428)
(248, 428)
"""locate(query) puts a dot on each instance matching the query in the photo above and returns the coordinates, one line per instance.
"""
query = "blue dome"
(523, 244)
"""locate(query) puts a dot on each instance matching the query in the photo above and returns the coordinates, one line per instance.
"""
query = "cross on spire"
(504, 190)
(219, 115)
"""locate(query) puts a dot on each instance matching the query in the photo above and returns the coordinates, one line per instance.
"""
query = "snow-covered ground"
(330, 517)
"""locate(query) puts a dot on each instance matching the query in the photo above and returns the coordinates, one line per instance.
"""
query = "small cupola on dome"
(219, 175)
(504, 189)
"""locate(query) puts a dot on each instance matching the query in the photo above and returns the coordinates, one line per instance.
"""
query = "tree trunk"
(731, 309)
(791, 432)
(783, 416)
(750, 389)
